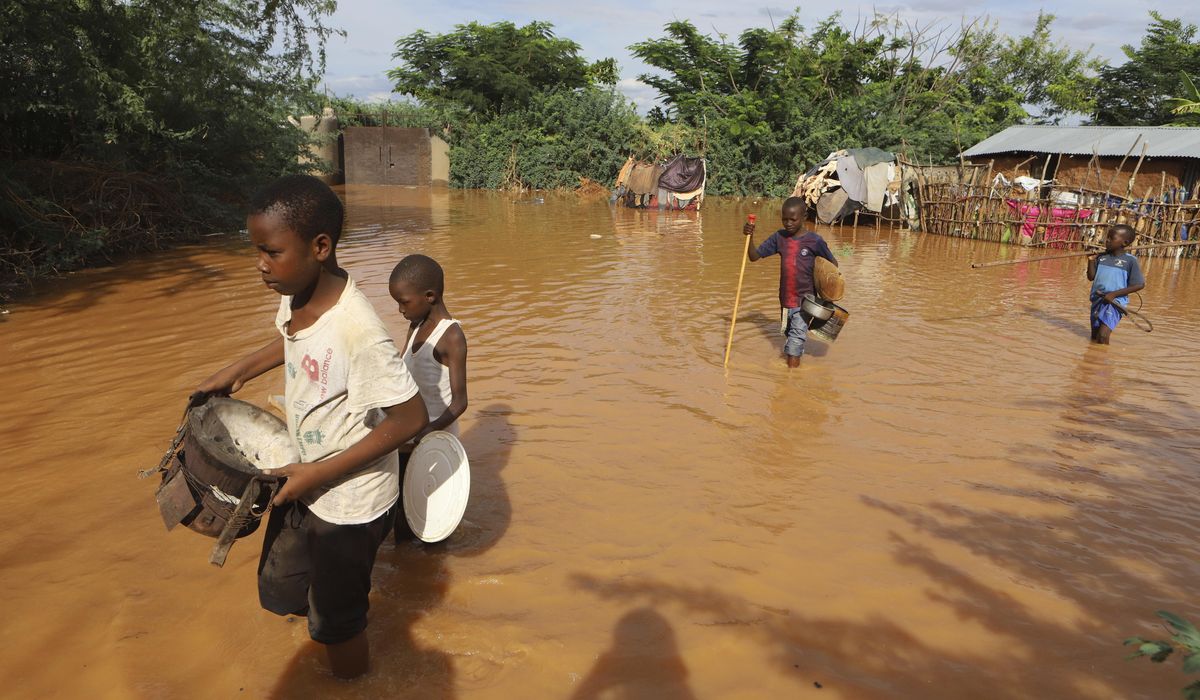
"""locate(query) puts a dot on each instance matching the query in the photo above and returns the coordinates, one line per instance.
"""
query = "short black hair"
(1126, 231)
(421, 271)
(306, 205)
(795, 202)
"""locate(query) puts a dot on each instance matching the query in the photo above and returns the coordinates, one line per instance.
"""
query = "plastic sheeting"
(682, 174)
(851, 177)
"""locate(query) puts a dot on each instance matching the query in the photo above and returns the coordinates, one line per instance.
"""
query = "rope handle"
(194, 400)
(1135, 317)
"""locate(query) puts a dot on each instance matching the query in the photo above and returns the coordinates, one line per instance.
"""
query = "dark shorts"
(320, 570)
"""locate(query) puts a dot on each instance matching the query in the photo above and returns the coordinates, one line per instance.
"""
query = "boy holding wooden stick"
(797, 250)
(1115, 275)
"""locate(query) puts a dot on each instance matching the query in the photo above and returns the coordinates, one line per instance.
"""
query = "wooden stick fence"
(980, 210)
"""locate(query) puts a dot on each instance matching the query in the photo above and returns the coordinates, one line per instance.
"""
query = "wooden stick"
(1020, 165)
(1136, 168)
(1121, 166)
(1081, 253)
(737, 299)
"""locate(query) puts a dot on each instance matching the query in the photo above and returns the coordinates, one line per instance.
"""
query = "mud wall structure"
(387, 155)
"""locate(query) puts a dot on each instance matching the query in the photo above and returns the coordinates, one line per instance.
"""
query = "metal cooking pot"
(814, 308)
(214, 483)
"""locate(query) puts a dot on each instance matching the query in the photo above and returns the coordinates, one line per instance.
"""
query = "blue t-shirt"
(1115, 272)
(796, 255)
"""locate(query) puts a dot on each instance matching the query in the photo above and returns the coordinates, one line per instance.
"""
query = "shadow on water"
(412, 578)
(77, 291)
(643, 662)
(1103, 451)
(875, 655)
(1101, 519)
(1077, 328)
(489, 443)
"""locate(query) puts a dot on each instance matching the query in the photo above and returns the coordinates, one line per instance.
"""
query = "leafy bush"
(129, 123)
(1185, 638)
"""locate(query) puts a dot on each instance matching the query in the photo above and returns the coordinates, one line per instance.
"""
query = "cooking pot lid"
(437, 484)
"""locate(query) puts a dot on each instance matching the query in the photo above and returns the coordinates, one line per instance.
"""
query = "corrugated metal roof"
(1161, 141)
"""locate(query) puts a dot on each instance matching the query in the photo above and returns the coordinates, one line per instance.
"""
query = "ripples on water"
(959, 497)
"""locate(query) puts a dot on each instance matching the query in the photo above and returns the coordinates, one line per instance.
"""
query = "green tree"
(129, 122)
(1189, 105)
(1139, 91)
(778, 100)
(489, 68)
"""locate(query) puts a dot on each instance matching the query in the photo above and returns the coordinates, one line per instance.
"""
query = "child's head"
(417, 283)
(794, 210)
(1118, 237)
(295, 223)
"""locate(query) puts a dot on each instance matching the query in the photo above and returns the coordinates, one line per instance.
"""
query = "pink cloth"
(1056, 236)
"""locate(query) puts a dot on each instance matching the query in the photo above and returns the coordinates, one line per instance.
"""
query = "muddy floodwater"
(958, 498)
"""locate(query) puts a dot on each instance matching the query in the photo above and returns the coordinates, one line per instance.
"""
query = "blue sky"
(357, 63)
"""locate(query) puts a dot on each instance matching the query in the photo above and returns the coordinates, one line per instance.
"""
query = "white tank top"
(432, 377)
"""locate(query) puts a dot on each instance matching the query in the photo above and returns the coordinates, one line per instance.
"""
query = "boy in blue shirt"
(797, 250)
(1115, 275)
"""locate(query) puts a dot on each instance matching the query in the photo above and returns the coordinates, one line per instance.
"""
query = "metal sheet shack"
(1061, 186)
(1138, 160)
(388, 155)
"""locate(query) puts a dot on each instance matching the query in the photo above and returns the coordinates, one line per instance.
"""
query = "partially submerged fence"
(974, 204)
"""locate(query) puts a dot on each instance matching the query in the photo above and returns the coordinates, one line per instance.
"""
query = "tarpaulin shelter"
(676, 183)
(850, 180)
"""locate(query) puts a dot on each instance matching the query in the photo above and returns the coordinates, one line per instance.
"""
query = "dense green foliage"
(126, 123)
(519, 106)
(761, 109)
(1188, 104)
(777, 101)
(1139, 91)
(493, 68)
(130, 123)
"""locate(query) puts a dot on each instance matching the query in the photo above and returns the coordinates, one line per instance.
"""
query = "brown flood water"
(958, 498)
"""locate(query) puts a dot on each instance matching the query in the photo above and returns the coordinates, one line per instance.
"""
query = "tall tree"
(777, 100)
(126, 123)
(490, 68)
(1138, 92)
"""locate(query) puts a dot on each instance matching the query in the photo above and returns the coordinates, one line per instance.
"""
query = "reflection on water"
(960, 497)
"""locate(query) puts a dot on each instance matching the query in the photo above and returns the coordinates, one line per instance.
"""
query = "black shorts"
(320, 570)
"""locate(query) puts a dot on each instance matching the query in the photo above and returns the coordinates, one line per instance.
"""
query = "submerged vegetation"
(134, 123)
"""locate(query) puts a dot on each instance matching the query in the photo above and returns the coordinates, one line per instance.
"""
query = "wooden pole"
(1136, 168)
(737, 299)
(1020, 165)
(1121, 166)
(1081, 253)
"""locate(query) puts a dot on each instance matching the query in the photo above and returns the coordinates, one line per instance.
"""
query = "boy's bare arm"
(451, 351)
(1093, 263)
(1110, 297)
(401, 422)
(230, 379)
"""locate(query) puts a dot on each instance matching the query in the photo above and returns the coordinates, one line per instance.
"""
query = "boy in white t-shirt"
(350, 403)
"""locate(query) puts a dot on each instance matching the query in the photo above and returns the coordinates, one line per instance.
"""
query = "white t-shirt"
(340, 371)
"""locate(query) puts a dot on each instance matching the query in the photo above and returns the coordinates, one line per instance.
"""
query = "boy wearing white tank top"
(435, 352)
